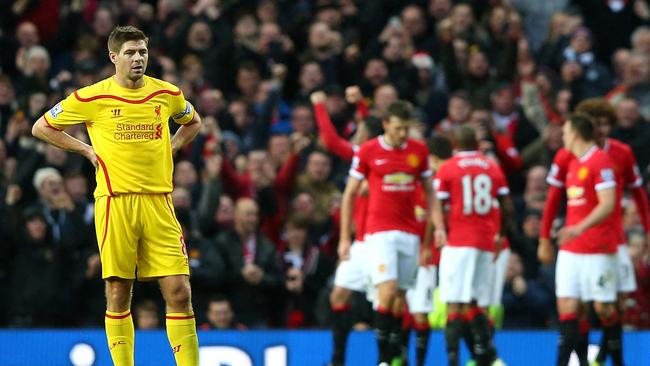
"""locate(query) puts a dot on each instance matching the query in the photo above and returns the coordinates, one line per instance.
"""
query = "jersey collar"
(386, 146)
(588, 154)
(606, 145)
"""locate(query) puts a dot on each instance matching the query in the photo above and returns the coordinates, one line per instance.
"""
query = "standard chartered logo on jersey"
(138, 131)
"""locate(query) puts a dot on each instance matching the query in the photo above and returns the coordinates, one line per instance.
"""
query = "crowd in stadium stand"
(260, 168)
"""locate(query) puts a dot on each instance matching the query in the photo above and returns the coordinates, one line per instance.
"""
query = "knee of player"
(339, 296)
(178, 295)
(604, 310)
(118, 295)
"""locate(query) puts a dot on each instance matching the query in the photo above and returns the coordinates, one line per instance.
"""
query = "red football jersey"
(626, 172)
(359, 216)
(585, 177)
(627, 176)
(471, 183)
(392, 174)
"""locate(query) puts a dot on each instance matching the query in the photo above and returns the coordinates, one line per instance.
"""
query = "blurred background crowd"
(258, 192)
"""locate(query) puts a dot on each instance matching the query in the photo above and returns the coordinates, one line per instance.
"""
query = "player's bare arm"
(186, 133)
(425, 252)
(505, 205)
(59, 138)
(438, 218)
(606, 201)
(351, 189)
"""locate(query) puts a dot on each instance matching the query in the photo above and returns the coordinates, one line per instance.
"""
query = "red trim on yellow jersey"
(108, 180)
(50, 125)
(139, 101)
(108, 210)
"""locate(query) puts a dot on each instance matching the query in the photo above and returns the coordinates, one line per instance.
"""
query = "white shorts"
(465, 275)
(626, 275)
(351, 274)
(393, 255)
(588, 277)
(420, 297)
(499, 278)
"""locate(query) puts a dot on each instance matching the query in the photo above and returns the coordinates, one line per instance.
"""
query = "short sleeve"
(68, 112)
(442, 183)
(180, 109)
(604, 177)
(359, 167)
(557, 174)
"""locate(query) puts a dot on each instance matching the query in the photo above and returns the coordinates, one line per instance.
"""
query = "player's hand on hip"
(545, 251)
(440, 237)
(344, 249)
(92, 156)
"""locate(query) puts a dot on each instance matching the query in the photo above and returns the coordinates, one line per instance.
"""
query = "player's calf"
(341, 322)
(180, 321)
(612, 330)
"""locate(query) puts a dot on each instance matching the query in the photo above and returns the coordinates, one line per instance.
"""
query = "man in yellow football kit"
(138, 235)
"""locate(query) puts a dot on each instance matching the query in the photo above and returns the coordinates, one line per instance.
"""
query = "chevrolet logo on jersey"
(575, 192)
(398, 178)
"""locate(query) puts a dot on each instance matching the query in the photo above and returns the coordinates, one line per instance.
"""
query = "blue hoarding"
(271, 348)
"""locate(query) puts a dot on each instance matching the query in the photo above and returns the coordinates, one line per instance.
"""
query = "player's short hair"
(400, 109)
(582, 125)
(465, 138)
(440, 147)
(121, 35)
(597, 108)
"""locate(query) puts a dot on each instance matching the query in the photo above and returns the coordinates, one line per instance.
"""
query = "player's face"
(131, 61)
(397, 130)
(603, 128)
(568, 135)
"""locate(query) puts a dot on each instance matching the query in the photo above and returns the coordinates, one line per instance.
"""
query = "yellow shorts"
(139, 236)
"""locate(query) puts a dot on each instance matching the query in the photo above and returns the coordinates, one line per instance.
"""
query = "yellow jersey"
(129, 131)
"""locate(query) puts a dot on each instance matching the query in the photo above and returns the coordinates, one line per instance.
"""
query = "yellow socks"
(181, 331)
(120, 336)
